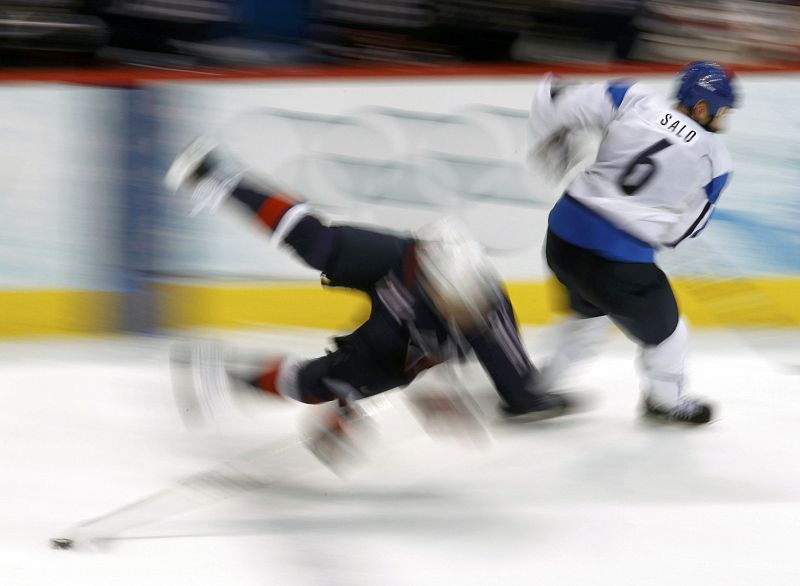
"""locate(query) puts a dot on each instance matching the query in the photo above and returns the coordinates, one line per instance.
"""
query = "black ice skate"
(536, 406)
(687, 411)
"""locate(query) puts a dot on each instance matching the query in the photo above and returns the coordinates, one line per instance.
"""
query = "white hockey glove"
(552, 158)
(554, 150)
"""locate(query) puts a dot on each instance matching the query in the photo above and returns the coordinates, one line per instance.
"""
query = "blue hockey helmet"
(707, 81)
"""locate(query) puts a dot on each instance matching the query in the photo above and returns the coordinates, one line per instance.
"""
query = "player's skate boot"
(202, 387)
(687, 411)
(206, 173)
(536, 406)
(336, 438)
(448, 414)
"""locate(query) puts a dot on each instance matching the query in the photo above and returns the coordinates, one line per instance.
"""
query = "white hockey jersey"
(656, 178)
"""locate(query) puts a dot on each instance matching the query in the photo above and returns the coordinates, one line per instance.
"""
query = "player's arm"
(697, 219)
(713, 190)
(700, 217)
(558, 110)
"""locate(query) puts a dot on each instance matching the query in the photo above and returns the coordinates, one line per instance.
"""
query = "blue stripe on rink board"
(765, 246)
(139, 211)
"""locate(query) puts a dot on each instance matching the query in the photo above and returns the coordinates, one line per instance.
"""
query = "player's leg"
(348, 256)
(648, 312)
(340, 378)
(640, 300)
(349, 373)
(210, 377)
(577, 338)
(501, 352)
(208, 387)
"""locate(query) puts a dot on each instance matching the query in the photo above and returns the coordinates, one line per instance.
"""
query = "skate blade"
(533, 416)
(576, 402)
(183, 390)
(186, 162)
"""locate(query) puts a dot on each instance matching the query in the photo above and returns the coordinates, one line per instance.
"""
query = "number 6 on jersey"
(641, 169)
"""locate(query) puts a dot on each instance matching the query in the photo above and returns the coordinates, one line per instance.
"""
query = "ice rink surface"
(595, 498)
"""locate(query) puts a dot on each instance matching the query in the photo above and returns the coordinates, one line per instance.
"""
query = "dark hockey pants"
(636, 296)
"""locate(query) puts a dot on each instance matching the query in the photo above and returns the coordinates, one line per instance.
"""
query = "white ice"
(596, 498)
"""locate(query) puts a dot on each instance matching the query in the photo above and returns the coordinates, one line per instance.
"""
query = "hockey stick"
(237, 476)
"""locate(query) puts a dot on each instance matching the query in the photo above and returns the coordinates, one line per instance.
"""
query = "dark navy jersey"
(404, 335)
(404, 331)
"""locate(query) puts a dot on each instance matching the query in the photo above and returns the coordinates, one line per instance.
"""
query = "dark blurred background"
(231, 33)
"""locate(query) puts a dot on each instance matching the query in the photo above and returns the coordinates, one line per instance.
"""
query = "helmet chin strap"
(707, 125)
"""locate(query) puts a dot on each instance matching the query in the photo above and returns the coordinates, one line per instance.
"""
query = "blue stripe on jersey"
(715, 187)
(574, 222)
(617, 92)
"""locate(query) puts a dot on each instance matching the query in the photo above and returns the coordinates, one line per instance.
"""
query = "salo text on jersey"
(677, 127)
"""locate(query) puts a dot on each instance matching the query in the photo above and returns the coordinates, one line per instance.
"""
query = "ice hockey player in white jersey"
(657, 175)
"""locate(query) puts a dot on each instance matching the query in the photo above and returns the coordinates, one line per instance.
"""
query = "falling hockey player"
(655, 181)
(433, 295)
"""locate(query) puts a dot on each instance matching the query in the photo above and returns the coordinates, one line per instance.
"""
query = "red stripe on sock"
(272, 210)
(267, 382)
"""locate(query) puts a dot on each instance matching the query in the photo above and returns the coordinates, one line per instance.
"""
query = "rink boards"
(90, 240)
